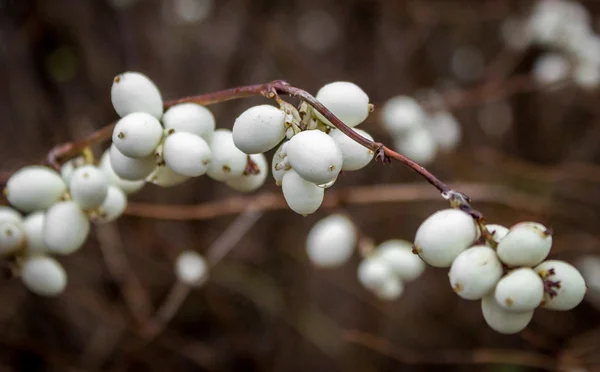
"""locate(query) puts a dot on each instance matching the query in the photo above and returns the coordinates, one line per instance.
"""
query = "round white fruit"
(526, 244)
(129, 187)
(502, 320)
(445, 129)
(227, 160)
(190, 118)
(390, 289)
(444, 235)
(315, 156)
(355, 156)
(88, 186)
(331, 241)
(187, 154)
(302, 197)
(251, 182)
(65, 228)
(520, 290)
(7, 214)
(43, 276)
(135, 92)
(130, 169)
(570, 288)
(113, 206)
(191, 268)
(166, 177)
(398, 255)
(373, 273)
(475, 272)
(400, 114)
(66, 170)
(259, 129)
(418, 144)
(12, 237)
(346, 101)
(34, 187)
(137, 134)
(498, 231)
(33, 225)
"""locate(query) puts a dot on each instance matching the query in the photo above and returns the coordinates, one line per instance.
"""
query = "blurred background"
(528, 149)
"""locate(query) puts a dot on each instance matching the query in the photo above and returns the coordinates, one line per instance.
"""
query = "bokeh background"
(527, 153)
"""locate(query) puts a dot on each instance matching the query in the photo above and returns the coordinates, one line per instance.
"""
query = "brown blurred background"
(528, 154)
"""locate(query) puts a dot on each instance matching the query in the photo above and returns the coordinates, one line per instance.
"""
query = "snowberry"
(526, 244)
(279, 165)
(567, 283)
(498, 231)
(88, 186)
(191, 268)
(137, 134)
(331, 241)
(34, 187)
(166, 177)
(66, 170)
(587, 75)
(502, 320)
(302, 197)
(346, 101)
(444, 235)
(130, 169)
(374, 272)
(418, 144)
(445, 130)
(397, 254)
(65, 228)
(401, 114)
(33, 226)
(520, 290)
(315, 156)
(550, 68)
(43, 276)
(113, 206)
(12, 237)
(187, 154)
(190, 118)
(227, 160)
(128, 187)
(390, 289)
(251, 182)
(355, 156)
(259, 129)
(475, 272)
(7, 214)
(135, 92)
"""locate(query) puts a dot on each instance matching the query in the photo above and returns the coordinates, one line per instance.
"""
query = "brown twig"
(477, 356)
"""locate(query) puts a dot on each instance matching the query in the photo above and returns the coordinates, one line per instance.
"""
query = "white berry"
(475, 272)
(331, 241)
(66, 170)
(526, 244)
(401, 114)
(135, 92)
(398, 255)
(113, 206)
(303, 197)
(7, 214)
(66, 227)
(355, 156)
(502, 320)
(137, 134)
(251, 182)
(391, 288)
(187, 154)
(418, 144)
(570, 286)
(190, 118)
(34, 187)
(88, 186)
(12, 237)
(346, 101)
(227, 160)
(191, 268)
(129, 187)
(259, 129)
(498, 231)
(33, 226)
(444, 235)
(43, 276)
(164, 176)
(373, 273)
(445, 129)
(520, 290)
(130, 169)
(315, 156)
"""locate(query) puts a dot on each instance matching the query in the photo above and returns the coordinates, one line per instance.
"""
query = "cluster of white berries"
(416, 133)
(511, 280)
(565, 28)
